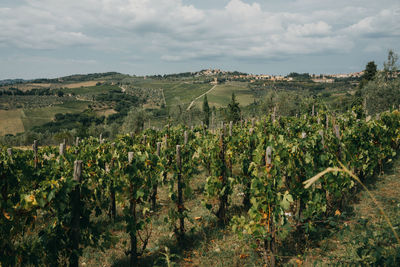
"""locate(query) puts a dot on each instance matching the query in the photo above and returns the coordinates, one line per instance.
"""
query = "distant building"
(215, 81)
(323, 80)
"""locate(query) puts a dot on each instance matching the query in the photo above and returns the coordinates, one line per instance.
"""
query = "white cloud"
(319, 28)
(171, 30)
(385, 23)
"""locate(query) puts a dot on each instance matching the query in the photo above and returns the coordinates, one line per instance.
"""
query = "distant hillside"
(12, 81)
(82, 77)
(108, 98)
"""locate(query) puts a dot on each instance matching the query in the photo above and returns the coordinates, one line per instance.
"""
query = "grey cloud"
(186, 31)
(384, 24)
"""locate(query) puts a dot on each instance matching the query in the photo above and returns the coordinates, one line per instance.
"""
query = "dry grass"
(339, 246)
(80, 84)
(29, 86)
(10, 122)
(207, 244)
(105, 112)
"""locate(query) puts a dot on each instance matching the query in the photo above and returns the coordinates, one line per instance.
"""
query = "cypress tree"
(234, 109)
(206, 111)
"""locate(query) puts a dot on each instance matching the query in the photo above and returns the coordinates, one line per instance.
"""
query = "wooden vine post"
(326, 121)
(299, 203)
(76, 144)
(185, 137)
(35, 152)
(9, 152)
(113, 206)
(321, 133)
(337, 133)
(179, 203)
(273, 116)
(230, 128)
(269, 243)
(212, 121)
(223, 199)
(76, 214)
(168, 159)
(144, 140)
(132, 211)
(61, 149)
(246, 199)
(153, 197)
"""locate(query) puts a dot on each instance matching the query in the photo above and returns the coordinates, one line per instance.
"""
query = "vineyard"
(57, 201)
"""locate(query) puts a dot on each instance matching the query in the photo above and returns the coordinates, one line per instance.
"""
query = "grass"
(80, 84)
(364, 237)
(91, 90)
(176, 92)
(10, 122)
(206, 243)
(38, 116)
(222, 94)
(105, 112)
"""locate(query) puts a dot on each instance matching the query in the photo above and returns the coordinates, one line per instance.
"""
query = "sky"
(54, 38)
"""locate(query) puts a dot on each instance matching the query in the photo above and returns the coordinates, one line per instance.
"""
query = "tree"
(134, 121)
(390, 67)
(369, 74)
(206, 111)
(383, 91)
(370, 71)
(233, 110)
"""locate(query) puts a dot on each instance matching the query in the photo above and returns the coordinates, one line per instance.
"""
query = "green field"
(91, 90)
(38, 116)
(176, 92)
(184, 93)
(222, 94)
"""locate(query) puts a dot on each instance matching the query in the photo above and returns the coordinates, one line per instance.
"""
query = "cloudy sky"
(52, 38)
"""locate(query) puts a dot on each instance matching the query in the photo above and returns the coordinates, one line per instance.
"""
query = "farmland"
(237, 195)
(11, 122)
(160, 98)
(38, 116)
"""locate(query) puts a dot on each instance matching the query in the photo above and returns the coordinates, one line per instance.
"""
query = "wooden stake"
(76, 214)
(130, 157)
(185, 138)
(326, 121)
(61, 149)
(337, 131)
(35, 151)
(268, 156)
(158, 148)
(180, 194)
(321, 133)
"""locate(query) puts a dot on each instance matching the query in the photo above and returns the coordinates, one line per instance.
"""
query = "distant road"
(191, 104)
